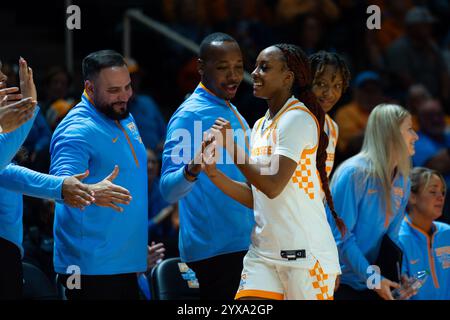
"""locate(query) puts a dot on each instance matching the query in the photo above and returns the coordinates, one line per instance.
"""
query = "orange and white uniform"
(293, 254)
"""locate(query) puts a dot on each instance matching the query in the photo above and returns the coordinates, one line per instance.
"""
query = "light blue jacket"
(14, 182)
(211, 223)
(12, 141)
(99, 240)
(360, 203)
(422, 252)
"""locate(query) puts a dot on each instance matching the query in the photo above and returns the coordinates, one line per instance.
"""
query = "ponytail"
(298, 63)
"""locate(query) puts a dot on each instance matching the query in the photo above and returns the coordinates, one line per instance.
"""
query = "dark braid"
(322, 59)
(297, 61)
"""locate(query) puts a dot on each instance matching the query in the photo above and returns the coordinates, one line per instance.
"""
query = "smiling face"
(110, 91)
(271, 74)
(328, 87)
(409, 135)
(223, 69)
(429, 201)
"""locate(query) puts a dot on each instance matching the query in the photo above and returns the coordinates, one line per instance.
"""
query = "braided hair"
(297, 62)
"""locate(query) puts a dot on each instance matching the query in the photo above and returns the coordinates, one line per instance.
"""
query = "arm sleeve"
(296, 131)
(394, 227)
(31, 183)
(12, 141)
(347, 196)
(179, 149)
(70, 152)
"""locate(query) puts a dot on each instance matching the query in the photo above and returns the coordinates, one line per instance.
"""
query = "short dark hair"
(205, 45)
(96, 61)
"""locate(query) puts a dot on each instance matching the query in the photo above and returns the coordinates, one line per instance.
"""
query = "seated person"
(425, 242)
(432, 148)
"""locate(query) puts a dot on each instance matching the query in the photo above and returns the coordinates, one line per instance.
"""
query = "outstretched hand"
(75, 193)
(107, 194)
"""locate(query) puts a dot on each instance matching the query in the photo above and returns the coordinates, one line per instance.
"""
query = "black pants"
(219, 276)
(11, 271)
(104, 287)
(345, 292)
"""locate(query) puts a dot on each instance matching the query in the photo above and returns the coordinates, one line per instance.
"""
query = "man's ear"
(200, 66)
(89, 87)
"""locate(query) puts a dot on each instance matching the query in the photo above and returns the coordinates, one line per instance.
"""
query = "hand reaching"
(108, 194)
(75, 193)
(386, 286)
(221, 129)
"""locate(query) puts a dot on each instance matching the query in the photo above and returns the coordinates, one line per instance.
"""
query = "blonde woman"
(371, 192)
(426, 242)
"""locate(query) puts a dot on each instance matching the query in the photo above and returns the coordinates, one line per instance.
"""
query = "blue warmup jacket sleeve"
(394, 227)
(346, 195)
(31, 183)
(12, 141)
(70, 153)
(177, 152)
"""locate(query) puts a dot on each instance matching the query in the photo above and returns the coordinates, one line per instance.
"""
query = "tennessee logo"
(414, 261)
(115, 139)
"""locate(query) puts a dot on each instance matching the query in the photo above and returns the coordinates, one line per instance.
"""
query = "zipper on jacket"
(129, 142)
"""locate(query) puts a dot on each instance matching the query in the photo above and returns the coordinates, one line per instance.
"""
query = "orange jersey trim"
(259, 294)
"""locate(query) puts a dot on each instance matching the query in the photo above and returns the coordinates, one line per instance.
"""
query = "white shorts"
(262, 279)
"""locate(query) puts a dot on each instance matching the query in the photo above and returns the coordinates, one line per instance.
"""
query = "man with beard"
(106, 244)
(215, 230)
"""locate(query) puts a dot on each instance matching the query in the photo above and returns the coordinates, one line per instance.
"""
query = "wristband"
(190, 174)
